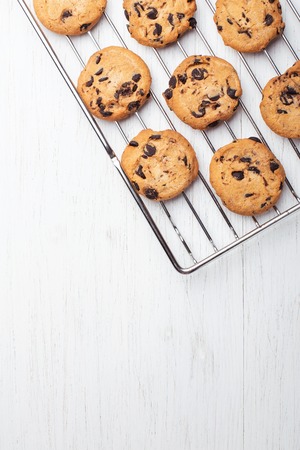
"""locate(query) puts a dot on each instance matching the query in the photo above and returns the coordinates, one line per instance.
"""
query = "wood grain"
(103, 345)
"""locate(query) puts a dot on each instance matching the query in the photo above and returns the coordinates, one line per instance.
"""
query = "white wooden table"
(103, 345)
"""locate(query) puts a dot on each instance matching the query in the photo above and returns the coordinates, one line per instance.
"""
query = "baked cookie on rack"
(114, 84)
(248, 26)
(160, 164)
(203, 90)
(280, 105)
(69, 16)
(247, 176)
(157, 23)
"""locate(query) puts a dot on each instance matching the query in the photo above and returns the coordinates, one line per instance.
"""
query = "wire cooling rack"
(194, 228)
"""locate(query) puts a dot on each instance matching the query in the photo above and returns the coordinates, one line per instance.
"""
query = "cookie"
(114, 84)
(203, 90)
(247, 176)
(160, 164)
(157, 23)
(280, 105)
(248, 26)
(68, 16)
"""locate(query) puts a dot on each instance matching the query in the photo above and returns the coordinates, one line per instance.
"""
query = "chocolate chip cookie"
(280, 106)
(248, 26)
(203, 90)
(156, 23)
(247, 176)
(160, 164)
(114, 84)
(69, 16)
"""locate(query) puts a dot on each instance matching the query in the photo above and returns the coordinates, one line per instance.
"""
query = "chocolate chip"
(149, 150)
(85, 26)
(66, 14)
(281, 111)
(152, 14)
(205, 103)
(136, 6)
(152, 194)
(99, 71)
(286, 99)
(198, 116)
(271, 1)
(99, 101)
(170, 19)
(133, 144)
(230, 21)
(158, 30)
(135, 86)
(180, 16)
(140, 172)
(136, 77)
(214, 124)
(168, 94)
(133, 105)
(254, 169)
(182, 78)
(290, 90)
(274, 166)
(202, 111)
(185, 160)
(246, 159)
(172, 82)
(238, 175)
(90, 82)
(247, 32)
(136, 186)
(193, 22)
(255, 139)
(220, 28)
(231, 93)
(106, 113)
(103, 79)
(155, 137)
(248, 195)
(263, 205)
(269, 19)
(141, 92)
(98, 59)
(126, 14)
(199, 74)
(214, 98)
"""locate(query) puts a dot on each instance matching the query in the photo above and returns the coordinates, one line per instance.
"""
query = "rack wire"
(186, 200)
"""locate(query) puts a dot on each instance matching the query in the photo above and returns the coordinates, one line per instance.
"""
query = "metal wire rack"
(195, 245)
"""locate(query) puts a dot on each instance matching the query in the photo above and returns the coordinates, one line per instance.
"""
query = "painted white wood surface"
(102, 344)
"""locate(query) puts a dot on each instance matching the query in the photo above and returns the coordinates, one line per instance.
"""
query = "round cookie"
(114, 84)
(248, 26)
(247, 176)
(160, 164)
(69, 17)
(203, 90)
(280, 105)
(157, 23)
